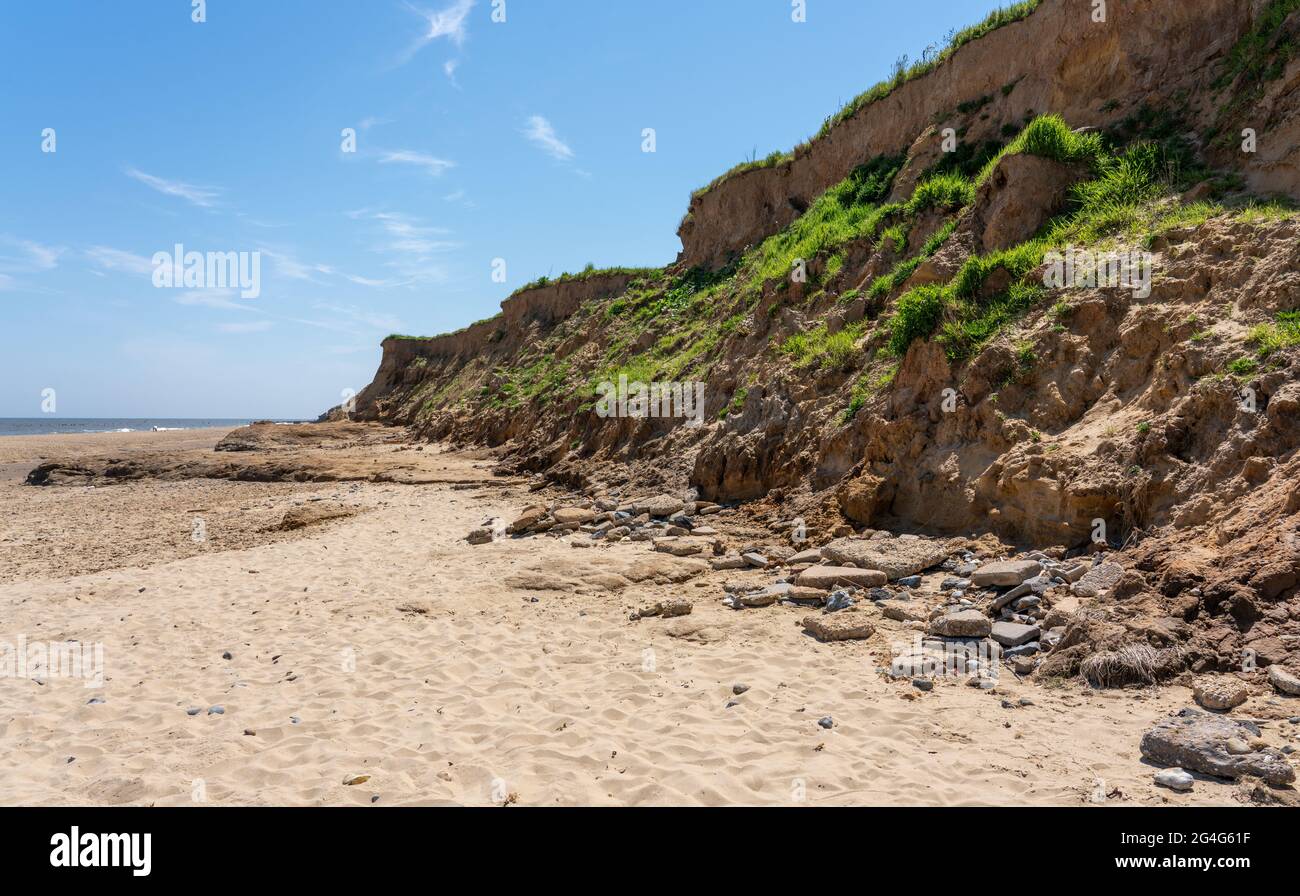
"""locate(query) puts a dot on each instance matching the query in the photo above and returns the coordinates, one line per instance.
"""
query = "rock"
(529, 518)
(194, 710)
(897, 558)
(721, 563)
(1005, 573)
(766, 597)
(1220, 694)
(826, 722)
(1285, 682)
(1023, 665)
(839, 600)
(227, 655)
(1175, 779)
(679, 547)
(847, 625)
(1199, 741)
(216, 710)
(1101, 577)
(571, 516)
(660, 506)
(810, 556)
(1013, 634)
(900, 611)
(909, 582)
(828, 577)
(739, 689)
(480, 536)
(962, 624)
(756, 560)
(923, 684)
(667, 609)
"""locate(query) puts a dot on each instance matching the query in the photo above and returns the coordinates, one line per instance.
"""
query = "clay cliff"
(885, 339)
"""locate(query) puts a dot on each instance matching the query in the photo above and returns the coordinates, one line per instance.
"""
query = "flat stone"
(827, 577)
(1199, 741)
(1005, 573)
(1101, 577)
(962, 624)
(1013, 634)
(679, 547)
(901, 611)
(1285, 682)
(813, 555)
(756, 560)
(846, 625)
(728, 563)
(897, 558)
(767, 596)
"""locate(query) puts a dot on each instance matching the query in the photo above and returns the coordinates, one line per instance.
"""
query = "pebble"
(923, 684)
(731, 703)
(826, 722)
(1175, 779)
(216, 710)
(194, 710)
(95, 701)
(909, 582)
(227, 655)
(739, 689)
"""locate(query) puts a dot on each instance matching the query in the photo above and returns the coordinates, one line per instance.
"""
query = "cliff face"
(526, 315)
(1057, 60)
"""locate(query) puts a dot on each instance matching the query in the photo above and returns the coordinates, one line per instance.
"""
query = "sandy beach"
(383, 649)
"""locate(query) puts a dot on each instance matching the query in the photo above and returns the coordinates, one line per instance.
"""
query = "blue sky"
(475, 140)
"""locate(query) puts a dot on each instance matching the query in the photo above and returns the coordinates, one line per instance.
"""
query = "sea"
(41, 426)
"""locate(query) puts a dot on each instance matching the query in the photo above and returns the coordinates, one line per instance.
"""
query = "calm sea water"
(39, 426)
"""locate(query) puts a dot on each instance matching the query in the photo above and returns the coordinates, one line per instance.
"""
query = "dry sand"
(383, 645)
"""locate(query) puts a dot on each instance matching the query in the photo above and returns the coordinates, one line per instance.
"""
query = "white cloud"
(449, 23)
(434, 167)
(540, 132)
(259, 326)
(117, 260)
(203, 197)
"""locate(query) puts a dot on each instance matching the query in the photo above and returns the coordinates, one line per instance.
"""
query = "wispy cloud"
(203, 197)
(411, 246)
(540, 132)
(117, 260)
(27, 257)
(450, 23)
(220, 299)
(432, 166)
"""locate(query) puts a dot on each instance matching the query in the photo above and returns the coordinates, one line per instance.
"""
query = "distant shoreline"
(39, 426)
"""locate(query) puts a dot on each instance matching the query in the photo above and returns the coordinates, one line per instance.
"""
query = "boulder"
(897, 558)
(1211, 744)
(827, 577)
(962, 624)
(1005, 573)
(846, 625)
